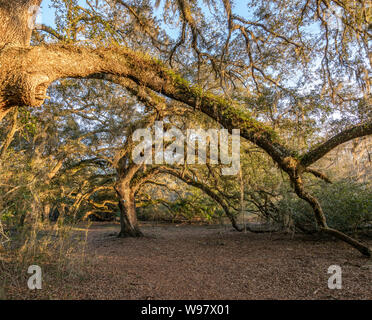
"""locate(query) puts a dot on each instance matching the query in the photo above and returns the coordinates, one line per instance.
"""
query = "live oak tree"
(278, 48)
(133, 176)
(89, 128)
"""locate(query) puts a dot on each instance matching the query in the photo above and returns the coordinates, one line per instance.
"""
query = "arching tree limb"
(318, 174)
(33, 69)
(197, 184)
(317, 153)
(321, 219)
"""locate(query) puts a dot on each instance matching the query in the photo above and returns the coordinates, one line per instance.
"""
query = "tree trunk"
(128, 217)
(17, 21)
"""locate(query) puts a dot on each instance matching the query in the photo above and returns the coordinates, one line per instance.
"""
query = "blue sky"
(47, 13)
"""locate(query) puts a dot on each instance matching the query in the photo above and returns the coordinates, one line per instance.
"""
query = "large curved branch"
(51, 32)
(206, 189)
(344, 136)
(318, 174)
(33, 69)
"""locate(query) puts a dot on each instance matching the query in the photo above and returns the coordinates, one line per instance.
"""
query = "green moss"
(248, 122)
(228, 109)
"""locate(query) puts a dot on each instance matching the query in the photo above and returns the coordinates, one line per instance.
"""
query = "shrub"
(347, 206)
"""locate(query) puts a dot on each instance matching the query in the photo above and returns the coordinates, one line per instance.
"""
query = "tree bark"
(16, 21)
(9, 138)
(128, 217)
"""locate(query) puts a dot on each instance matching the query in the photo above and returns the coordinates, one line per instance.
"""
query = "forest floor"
(206, 262)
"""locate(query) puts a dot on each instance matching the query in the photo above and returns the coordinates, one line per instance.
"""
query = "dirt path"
(198, 262)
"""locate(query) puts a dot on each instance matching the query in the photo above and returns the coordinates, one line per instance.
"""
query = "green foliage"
(194, 206)
(347, 205)
(197, 207)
